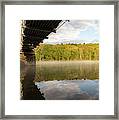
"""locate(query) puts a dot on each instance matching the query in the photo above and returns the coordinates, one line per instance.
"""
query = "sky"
(75, 31)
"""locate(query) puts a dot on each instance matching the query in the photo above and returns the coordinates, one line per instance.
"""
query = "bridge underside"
(34, 32)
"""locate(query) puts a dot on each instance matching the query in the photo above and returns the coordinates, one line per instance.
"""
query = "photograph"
(59, 59)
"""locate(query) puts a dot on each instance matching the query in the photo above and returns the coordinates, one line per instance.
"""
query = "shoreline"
(62, 62)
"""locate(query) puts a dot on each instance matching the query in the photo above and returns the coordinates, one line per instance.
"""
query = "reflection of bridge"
(29, 90)
(34, 32)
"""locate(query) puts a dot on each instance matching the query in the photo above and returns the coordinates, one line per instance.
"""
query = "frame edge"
(2, 61)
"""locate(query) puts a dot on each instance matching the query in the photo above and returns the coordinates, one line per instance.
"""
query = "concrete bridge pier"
(30, 58)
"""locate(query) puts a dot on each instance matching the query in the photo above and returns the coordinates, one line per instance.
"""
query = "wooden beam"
(34, 37)
(49, 31)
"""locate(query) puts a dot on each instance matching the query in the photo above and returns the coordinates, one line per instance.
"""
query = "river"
(70, 80)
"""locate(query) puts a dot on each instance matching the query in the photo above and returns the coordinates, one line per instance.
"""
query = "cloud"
(70, 31)
(83, 25)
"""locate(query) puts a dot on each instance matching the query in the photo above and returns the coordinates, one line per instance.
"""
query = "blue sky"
(75, 31)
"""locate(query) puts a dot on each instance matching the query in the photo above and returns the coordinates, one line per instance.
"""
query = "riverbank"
(67, 62)
(64, 52)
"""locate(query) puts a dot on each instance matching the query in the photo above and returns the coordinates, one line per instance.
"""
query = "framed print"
(59, 60)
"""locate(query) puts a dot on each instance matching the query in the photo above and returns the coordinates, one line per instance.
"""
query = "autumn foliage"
(63, 52)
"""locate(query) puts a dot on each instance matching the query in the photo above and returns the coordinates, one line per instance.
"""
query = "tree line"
(63, 52)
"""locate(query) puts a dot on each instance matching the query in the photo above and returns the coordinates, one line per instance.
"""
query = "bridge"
(33, 32)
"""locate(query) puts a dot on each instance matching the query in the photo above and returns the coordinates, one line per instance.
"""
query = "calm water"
(60, 81)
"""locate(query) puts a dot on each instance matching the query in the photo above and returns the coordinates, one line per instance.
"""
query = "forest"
(64, 52)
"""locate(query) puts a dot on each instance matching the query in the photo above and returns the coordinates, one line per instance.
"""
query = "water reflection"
(60, 81)
(29, 90)
(70, 89)
(67, 70)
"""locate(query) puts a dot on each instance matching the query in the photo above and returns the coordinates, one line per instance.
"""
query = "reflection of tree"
(67, 70)
(29, 89)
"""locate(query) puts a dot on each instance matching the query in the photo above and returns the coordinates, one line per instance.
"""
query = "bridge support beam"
(30, 58)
